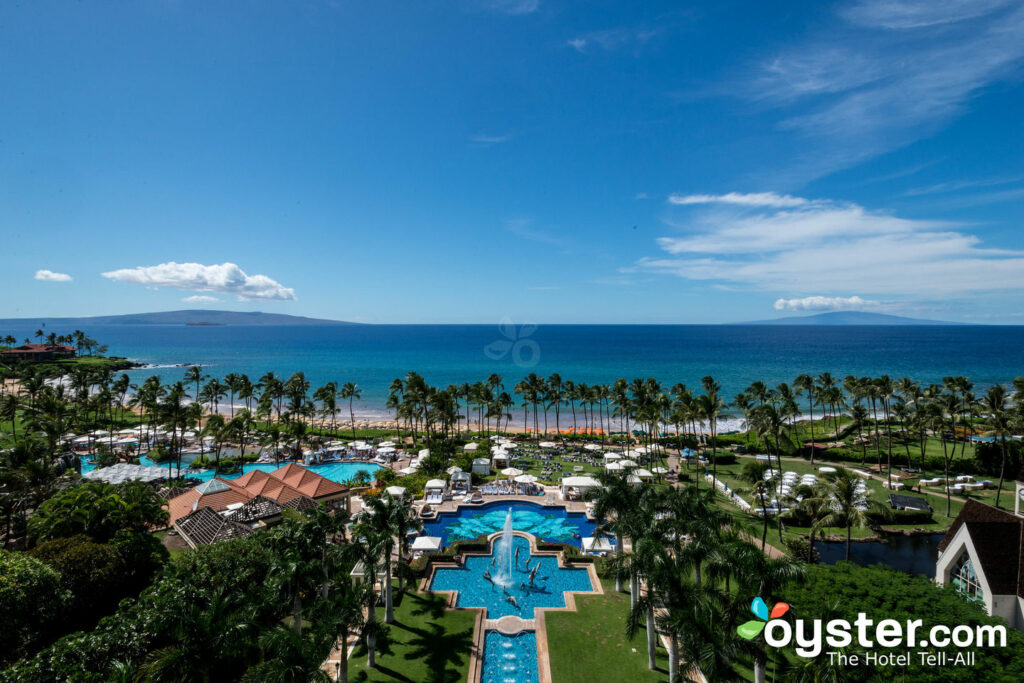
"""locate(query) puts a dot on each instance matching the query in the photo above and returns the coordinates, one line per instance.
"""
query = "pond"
(911, 554)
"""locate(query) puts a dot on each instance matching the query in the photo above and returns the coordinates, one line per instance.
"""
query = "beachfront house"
(38, 352)
(982, 557)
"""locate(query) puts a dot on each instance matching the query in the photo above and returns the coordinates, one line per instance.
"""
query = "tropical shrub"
(31, 601)
(93, 573)
(99, 511)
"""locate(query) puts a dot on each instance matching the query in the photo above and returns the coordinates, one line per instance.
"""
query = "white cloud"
(200, 299)
(511, 6)
(741, 199)
(50, 276)
(888, 73)
(824, 303)
(226, 278)
(578, 44)
(490, 139)
(828, 246)
(611, 39)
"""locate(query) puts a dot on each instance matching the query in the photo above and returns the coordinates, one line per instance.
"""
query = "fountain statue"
(504, 554)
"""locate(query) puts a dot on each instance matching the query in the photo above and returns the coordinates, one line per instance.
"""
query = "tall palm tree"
(994, 404)
(848, 508)
(350, 391)
(615, 502)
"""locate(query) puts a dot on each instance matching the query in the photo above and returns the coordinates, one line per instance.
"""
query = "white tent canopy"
(426, 543)
(395, 491)
(526, 479)
(435, 484)
(597, 544)
(511, 472)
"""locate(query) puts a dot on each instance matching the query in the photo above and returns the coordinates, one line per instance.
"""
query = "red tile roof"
(283, 485)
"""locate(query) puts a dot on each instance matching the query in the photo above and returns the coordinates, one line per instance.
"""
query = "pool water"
(510, 659)
(335, 471)
(550, 583)
(549, 523)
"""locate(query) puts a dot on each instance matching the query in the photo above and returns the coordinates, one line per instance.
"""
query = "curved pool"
(335, 471)
(546, 522)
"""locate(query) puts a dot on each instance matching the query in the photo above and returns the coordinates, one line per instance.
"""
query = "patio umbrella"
(526, 479)
(593, 447)
(627, 463)
(511, 472)
(453, 469)
(613, 466)
(386, 444)
(396, 491)
(470, 446)
(548, 444)
(659, 470)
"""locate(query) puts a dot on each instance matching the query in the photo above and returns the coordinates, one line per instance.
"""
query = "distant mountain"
(188, 317)
(849, 318)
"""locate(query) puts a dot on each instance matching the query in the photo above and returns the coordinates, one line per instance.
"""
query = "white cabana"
(435, 485)
(628, 463)
(461, 482)
(612, 457)
(511, 472)
(481, 466)
(613, 466)
(472, 446)
(395, 491)
(578, 485)
(597, 544)
(426, 544)
(642, 473)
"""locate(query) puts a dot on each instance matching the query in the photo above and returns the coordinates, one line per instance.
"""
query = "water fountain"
(504, 552)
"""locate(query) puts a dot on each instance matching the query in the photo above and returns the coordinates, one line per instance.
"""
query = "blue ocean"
(736, 355)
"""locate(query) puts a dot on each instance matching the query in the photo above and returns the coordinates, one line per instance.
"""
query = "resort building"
(37, 352)
(257, 496)
(982, 557)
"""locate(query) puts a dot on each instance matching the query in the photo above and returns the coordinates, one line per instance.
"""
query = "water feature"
(912, 554)
(335, 471)
(504, 553)
(546, 522)
(530, 581)
(510, 659)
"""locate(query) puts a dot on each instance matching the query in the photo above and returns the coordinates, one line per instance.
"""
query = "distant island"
(849, 318)
(197, 318)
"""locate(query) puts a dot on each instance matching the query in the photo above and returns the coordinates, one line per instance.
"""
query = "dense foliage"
(31, 601)
(844, 590)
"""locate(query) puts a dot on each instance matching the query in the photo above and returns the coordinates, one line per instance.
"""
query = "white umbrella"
(612, 457)
(386, 449)
(385, 444)
(642, 473)
(453, 469)
(426, 543)
(407, 470)
(470, 446)
(526, 479)
(548, 444)
(593, 447)
(628, 463)
(511, 472)
(659, 470)
(395, 491)
(364, 447)
(613, 466)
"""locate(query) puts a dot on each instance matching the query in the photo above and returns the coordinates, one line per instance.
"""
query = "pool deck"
(551, 498)
(510, 624)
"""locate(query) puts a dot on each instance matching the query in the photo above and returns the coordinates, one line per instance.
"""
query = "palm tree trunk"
(651, 633)
(848, 529)
(618, 553)
(389, 607)
(1002, 469)
(673, 658)
(759, 668)
(342, 676)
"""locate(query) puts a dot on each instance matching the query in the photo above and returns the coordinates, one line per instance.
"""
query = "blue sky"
(548, 161)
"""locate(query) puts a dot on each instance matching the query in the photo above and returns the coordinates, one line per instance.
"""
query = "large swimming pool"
(547, 589)
(335, 471)
(548, 523)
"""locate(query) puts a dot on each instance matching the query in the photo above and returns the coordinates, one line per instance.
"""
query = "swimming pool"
(510, 659)
(546, 590)
(546, 522)
(335, 471)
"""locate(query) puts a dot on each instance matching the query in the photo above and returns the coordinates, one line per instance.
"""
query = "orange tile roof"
(283, 485)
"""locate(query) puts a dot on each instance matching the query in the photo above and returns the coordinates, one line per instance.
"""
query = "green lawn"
(591, 645)
(426, 644)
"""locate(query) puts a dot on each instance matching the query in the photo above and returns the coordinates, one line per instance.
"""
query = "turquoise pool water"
(510, 659)
(549, 523)
(335, 471)
(549, 586)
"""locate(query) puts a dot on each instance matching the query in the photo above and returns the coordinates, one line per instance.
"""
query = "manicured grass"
(591, 645)
(425, 644)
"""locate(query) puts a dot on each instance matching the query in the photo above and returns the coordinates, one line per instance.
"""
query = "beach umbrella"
(548, 444)
(511, 472)
(526, 479)
(386, 449)
(386, 444)
(395, 491)
(659, 470)
(407, 470)
(613, 466)
(470, 446)
(453, 469)
(627, 463)
(593, 447)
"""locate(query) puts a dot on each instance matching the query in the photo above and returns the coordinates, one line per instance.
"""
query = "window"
(965, 580)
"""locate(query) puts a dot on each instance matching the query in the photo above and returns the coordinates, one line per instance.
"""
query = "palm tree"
(614, 503)
(995, 407)
(805, 383)
(390, 519)
(194, 375)
(290, 657)
(848, 507)
(352, 392)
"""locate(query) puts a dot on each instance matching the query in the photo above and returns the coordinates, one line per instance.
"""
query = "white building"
(982, 557)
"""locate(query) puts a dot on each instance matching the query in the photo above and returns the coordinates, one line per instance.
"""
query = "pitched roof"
(282, 486)
(205, 527)
(256, 509)
(998, 538)
(308, 482)
(301, 503)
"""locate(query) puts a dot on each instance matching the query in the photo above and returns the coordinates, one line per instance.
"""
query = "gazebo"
(461, 481)
(481, 466)
(396, 492)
